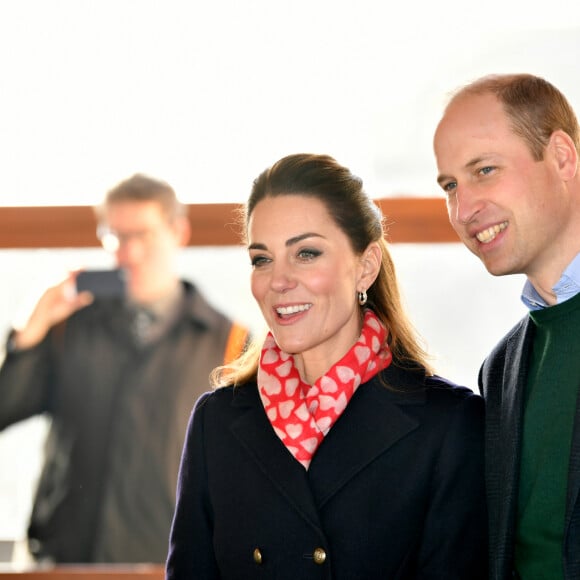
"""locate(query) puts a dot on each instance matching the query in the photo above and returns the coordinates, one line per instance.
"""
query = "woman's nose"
(282, 278)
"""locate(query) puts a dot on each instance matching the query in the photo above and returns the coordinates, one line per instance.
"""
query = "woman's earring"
(362, 297)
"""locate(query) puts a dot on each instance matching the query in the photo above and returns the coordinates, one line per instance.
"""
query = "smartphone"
(102, 283)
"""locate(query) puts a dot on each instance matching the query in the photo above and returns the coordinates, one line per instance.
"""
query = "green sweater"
(550, 405)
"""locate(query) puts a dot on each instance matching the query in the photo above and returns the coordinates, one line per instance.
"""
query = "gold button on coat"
(257, 556)
(319, 556)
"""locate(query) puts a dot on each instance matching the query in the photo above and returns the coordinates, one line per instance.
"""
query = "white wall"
(207, 94)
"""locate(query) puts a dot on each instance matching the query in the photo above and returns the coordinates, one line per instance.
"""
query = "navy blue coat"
(395, 490)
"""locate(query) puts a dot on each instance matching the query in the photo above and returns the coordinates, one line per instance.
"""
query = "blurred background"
(206, 95)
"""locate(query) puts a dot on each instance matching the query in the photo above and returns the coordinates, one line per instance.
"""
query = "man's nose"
(129, 251)
(467, 204)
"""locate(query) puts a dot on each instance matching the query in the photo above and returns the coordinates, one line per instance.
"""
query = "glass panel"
(457, 306)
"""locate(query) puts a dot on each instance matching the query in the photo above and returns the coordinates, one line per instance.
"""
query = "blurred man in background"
(118, 376)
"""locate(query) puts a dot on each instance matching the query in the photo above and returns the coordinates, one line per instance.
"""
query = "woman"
(330, 450)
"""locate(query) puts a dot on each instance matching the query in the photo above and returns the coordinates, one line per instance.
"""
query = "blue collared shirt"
(567, 287)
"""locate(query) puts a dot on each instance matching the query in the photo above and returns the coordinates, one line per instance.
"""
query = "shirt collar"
(567, 287)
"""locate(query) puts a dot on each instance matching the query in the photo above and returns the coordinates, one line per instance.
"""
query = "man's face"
(146, 245)
(506, 207)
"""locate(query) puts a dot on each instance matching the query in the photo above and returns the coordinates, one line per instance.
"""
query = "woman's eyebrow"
(301, 237)
(290, 242)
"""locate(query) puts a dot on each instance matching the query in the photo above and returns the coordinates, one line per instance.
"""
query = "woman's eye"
(257, 261)
(308, 254)
(486, 170)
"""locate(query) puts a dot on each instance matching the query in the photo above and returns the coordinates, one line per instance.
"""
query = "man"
(118, 378)
(507, 150)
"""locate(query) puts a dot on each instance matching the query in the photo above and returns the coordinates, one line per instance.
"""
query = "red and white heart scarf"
(302, 414)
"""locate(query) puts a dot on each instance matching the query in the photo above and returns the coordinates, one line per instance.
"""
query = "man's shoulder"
(200, 309)
(510, 351)
(514, 334)
(232, 333)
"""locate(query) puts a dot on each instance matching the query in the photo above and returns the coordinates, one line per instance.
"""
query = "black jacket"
(118, 419)
(395, 490)
(502, 382)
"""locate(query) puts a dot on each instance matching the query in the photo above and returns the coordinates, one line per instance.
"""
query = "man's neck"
(158, 294)
(547, 294)
(555, 289)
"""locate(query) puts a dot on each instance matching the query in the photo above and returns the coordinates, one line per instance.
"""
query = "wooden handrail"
(93, 572)
(418, 220)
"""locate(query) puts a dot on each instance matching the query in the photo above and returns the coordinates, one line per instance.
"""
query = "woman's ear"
(370, 265)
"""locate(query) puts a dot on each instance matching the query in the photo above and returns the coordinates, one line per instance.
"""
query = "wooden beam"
(90, 572)
(409, 220)
(417, 220)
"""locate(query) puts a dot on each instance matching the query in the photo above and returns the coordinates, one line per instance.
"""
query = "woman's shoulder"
(227, 396)
(447, 396)
(428, 395)
(415, 384)
(435, 402)
(443, 387)
(445, 402)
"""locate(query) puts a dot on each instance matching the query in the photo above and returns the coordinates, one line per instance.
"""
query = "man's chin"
(497, 269)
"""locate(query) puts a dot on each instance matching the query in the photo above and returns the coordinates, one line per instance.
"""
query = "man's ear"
(370, 263)
(562, 147)
(183, 230)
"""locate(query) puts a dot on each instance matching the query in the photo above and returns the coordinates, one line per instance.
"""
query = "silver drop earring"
(362, 297)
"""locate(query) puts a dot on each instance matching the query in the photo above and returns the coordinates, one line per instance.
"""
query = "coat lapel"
(255, 433)
(504, 457)
(373, 421)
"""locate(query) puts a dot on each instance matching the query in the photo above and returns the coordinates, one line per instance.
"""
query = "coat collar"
(511, 406)
(373, 421)
(117, 314)
(504, 387)
(256, 435)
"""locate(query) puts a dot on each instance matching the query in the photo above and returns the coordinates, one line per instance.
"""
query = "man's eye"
(486, 170)
(449, 186)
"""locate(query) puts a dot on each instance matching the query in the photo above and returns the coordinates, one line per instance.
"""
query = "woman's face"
(305, 278)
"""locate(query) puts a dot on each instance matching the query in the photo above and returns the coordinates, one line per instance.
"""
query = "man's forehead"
(134, 211)
(474, 117)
